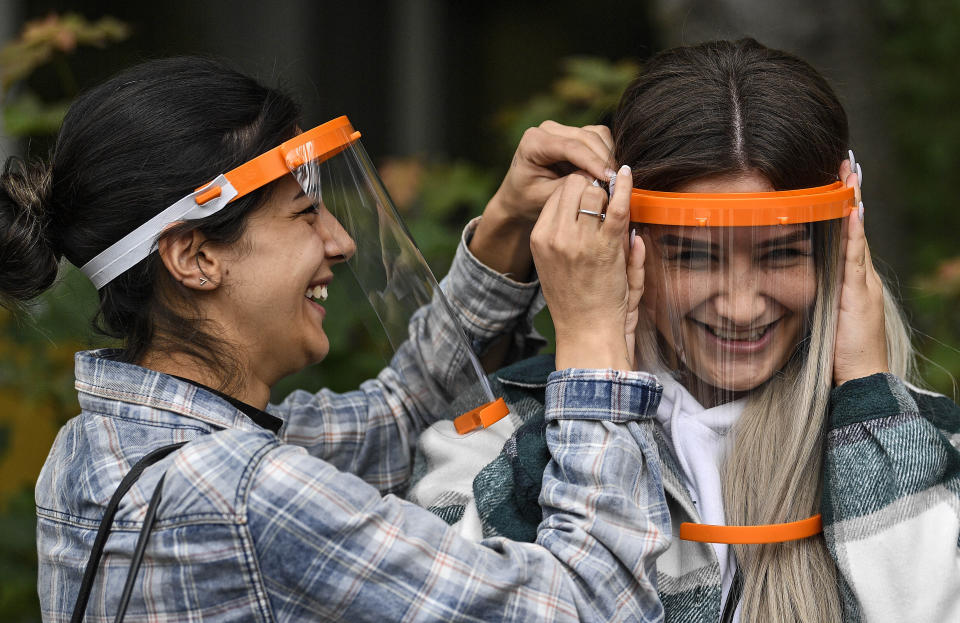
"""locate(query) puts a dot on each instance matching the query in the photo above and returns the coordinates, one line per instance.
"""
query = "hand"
(582, 262)
(545, 155)
(861, 348)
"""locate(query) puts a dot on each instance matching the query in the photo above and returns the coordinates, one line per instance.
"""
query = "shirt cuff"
(488, 303)
(611, 395)
(872, 397)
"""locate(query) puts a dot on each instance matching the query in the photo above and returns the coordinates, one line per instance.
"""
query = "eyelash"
(700, 256)
(313, 209)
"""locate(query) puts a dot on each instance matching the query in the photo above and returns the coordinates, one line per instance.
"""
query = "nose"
(741, 302)
(337, 242)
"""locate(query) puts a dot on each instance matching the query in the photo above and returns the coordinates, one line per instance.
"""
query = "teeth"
(317, 292)
(739, 336)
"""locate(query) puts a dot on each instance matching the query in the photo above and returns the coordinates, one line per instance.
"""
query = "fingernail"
(859, 176)
(610, 173)
(860, 211)
(595, 183)
(625, 169)
(853, 160)
(633, 235)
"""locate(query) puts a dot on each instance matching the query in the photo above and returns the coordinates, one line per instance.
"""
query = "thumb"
(635, 273)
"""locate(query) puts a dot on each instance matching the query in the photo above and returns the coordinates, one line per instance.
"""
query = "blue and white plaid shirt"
(304, 527)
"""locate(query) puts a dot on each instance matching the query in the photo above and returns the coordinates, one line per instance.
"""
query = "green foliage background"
(920, 45)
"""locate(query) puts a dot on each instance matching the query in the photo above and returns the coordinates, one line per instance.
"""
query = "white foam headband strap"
(138, 244)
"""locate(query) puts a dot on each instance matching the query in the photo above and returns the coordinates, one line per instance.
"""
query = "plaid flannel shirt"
(257, 527)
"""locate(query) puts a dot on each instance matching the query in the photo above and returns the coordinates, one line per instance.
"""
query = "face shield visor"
(740, 288)
(737, 285)
(333, 170)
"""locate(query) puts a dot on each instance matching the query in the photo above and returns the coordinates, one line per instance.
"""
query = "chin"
(736, 380)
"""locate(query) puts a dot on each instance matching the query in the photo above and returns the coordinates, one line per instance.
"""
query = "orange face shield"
(736, 287)
(334, 171)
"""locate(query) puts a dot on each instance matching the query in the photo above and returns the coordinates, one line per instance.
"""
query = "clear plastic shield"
(736, 282)
(334, 170)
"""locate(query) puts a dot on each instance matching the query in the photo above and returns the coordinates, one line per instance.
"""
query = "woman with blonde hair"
(785, 365)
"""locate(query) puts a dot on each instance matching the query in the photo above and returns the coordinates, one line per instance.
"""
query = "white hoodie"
(699, 441)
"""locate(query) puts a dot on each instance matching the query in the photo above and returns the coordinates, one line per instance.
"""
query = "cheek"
(795, 288)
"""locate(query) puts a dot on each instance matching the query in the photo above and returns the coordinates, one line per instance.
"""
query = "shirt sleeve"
(329, 547)
(892, 500)
(371, 432)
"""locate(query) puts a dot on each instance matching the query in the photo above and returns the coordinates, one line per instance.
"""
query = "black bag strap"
(93, 563)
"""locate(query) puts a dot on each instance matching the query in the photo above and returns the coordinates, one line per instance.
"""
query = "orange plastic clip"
(750, 535)
(481, 417)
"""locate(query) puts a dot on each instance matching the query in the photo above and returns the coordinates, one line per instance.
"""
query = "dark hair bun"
(28, 262)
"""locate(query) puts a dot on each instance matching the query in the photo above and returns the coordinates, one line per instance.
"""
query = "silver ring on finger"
(601, 215)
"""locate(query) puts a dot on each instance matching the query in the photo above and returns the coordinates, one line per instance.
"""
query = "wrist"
(501, 242)
(592, 351)
(503, 212)
(859, 374)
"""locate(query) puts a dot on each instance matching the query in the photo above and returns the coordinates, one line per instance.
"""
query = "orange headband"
(784, 207)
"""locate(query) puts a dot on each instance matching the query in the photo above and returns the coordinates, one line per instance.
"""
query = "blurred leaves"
(46, 42)
(42, 39)
(587, 91)
(26, 115)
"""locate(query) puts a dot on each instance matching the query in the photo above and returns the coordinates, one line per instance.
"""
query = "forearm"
(597, 545)
(502, 242)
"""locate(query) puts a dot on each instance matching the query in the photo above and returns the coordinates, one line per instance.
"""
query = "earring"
(203, 281)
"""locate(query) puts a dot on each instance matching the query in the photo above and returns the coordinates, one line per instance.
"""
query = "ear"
(188, 262)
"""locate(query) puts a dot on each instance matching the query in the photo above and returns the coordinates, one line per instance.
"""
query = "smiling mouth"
(732, 335)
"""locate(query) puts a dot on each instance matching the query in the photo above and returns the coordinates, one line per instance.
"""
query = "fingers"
(589, 150)
(859, 273)
(635, 274)
(850, 178)
(604, 133)
(618, 212)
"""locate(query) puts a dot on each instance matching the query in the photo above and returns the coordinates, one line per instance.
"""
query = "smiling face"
(275, 278)
(732, 303)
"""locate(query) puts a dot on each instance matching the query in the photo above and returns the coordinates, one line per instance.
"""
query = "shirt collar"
(105, 385)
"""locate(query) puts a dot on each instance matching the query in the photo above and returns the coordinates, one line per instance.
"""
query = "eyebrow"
(693, 243)
(800, 235)
(298, 195)
(679, 241)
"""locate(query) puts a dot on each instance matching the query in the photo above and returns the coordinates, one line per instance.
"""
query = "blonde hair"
(773, 472)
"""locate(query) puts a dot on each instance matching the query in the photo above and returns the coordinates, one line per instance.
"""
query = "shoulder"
(211, 475)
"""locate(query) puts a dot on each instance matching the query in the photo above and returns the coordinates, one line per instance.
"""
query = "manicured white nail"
(625, 169)
(860, 211)
(853, 160)
(633, 235)
(859, 175)
(610, 174)
(595, 183)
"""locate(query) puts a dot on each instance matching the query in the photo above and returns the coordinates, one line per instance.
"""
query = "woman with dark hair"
(785, 365)
(282, 512)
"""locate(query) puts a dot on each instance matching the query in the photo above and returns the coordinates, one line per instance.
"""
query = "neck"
(245, 388)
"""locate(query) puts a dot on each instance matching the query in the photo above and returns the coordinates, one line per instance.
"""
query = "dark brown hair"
(728, 107)
(127, 150)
